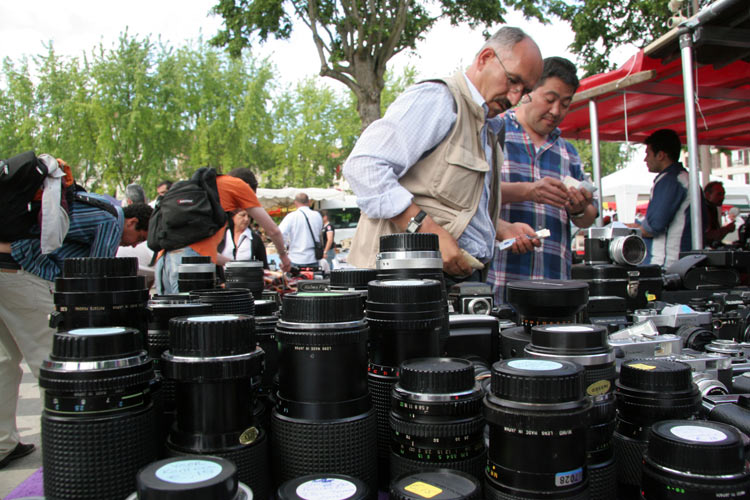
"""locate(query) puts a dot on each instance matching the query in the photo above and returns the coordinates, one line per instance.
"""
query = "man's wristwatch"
(416, 222)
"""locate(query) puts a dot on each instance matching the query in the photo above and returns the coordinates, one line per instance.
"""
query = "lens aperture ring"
(436, 405)
(92, 301)
(321, 334)
(93, 381)
(561, 482)
(433, 448)
(437, 428)
(100, 267)
(199, 369)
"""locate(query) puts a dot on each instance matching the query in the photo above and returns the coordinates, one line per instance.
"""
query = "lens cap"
(438, 484)
(188, 477)
(529, 380)
(437, 375)
(656, 375)
(548, 298)
(352, 278)
(321, 307)
(409, 242)
(323, 487)
(88, 344)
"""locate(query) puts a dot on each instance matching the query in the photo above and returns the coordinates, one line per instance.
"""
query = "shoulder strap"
(84, 197)
(309, 228)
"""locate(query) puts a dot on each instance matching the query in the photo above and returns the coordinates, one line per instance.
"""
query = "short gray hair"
(505, 38)
(135, 193)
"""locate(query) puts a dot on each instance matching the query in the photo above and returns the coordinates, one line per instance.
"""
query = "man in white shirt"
(299, 228)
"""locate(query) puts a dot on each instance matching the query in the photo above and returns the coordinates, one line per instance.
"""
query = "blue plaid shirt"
(93, 232)
(524, 163)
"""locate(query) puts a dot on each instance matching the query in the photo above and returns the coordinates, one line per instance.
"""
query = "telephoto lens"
(190, 477)
(694, 460)
(226, 301)
(436, 484)
(587, 345)
(265, 336)
(245, 274)
(324, 487)
(405, 318)
(537, 413)
(324, 421)
(213, 359)
(540, 302)
(437, 418)
(196, 273)
(98, 424)
(95, 291)
(647, 391)
(352, 280)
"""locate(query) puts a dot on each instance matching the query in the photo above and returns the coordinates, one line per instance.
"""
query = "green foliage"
(612, 155)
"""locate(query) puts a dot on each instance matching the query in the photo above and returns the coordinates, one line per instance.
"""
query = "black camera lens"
(190, 477)
(537, 413)
(266, 316)
(352, 280)
(324, 487)
(226, 301)
(695, 337)
(98, 422)
(213, 359)
(436, 484)
(587, 345)
(647, 391)
(196, 275)
(100, 292)
(436, 418)
(405, 318)
(324, 421)
(694, 460)
(245, 274)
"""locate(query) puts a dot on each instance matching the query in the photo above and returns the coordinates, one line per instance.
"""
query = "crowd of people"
(475, 158)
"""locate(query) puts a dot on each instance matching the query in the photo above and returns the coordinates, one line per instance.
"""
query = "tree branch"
(388, 48)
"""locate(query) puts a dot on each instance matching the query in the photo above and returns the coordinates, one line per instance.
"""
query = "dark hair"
(246, 175)
(141, 211)
(712, 185)
(665, 140)
(165, 182)
(559, 67)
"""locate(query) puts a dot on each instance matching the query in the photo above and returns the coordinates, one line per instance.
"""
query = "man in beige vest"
(432, 163)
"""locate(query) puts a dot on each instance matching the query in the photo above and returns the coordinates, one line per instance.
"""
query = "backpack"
(190, 211)
(21, 185)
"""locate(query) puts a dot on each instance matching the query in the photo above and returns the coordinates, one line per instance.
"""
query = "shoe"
(21, 450)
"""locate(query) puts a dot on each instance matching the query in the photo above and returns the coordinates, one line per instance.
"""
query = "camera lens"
(98, 423)
(436, 418)
(436, 484)
(324, 487)
(190, 477)
(196, 273)
(323, 421)
(245, 274)
(694, 460)
(212, 359)
(695, 337)
(352, 280)
(100, 292)
(538, 419)
(647, 391)
(627, 250)
(265, 335)
(405, 318)
(227, 301)
(587, 345)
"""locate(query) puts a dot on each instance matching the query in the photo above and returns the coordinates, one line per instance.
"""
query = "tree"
(356, 39)
(18, 121)
(612, 155)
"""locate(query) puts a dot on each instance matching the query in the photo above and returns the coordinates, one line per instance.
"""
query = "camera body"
(614, 245)
(471, 297)
(670, 318)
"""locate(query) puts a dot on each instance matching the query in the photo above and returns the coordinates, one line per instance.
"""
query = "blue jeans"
(166, 272)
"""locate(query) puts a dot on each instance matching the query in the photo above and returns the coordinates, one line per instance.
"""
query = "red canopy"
(645, 95)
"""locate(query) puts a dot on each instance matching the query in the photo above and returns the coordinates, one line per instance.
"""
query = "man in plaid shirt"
(537, 160)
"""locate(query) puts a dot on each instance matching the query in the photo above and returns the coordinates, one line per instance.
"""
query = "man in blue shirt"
(666, 226)
(537, 161)
(26, 288)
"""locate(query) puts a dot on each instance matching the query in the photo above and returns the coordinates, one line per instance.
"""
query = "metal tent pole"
(595, 158)
(696, 227)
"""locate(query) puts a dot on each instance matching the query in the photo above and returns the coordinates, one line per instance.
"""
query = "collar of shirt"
(674, 167)
(476, 96)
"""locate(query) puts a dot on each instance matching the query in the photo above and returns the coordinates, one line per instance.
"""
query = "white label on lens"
(326, 489)
(97, 331)
(698, 434)
(569, 328)
(218, 317)
(534, 364)
(569, 478)
(188, 471)
(401, 283)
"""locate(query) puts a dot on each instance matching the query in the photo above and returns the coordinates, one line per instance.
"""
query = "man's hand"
(549, 191)
(578, 200)
(519, 231)
(453, 262)
(286, 263)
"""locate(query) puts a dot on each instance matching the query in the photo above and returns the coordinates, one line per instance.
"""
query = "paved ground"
(28, 420)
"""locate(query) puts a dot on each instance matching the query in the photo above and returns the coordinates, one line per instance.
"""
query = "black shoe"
(21, 450)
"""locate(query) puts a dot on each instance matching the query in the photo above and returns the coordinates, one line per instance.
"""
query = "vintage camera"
(643, 340)
(616, 244)
(471, 297)
(730, 315)
(670, 318)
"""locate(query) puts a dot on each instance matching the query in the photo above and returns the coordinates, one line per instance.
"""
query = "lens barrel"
(192, 275)
(324, 421)
(537, 413)
(226, 301)
(647, 391)
(694, 460)
(588, 346)
(97, 403)
(245, 274)
(436, 484)
(213, 359)
(436, 418)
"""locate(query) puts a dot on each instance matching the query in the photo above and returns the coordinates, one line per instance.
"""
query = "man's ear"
(131, 222)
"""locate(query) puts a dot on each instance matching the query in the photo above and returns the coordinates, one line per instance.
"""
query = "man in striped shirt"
(26, 286)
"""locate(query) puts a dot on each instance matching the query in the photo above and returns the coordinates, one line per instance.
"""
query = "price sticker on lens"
(569, 478)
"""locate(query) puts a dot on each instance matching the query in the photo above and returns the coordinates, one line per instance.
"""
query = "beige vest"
(447, 184)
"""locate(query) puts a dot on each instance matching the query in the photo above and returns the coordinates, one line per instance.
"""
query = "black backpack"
(190, 211)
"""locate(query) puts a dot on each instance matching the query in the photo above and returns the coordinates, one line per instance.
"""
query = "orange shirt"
(234, 194)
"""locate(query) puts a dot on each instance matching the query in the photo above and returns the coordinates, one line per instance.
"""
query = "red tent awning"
(645, 95)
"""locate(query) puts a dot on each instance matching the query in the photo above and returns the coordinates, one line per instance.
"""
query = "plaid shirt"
(524, 163)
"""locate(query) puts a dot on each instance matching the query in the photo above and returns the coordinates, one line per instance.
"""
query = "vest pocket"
(460, 184)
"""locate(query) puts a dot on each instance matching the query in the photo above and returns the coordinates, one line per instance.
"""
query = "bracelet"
(577, 215)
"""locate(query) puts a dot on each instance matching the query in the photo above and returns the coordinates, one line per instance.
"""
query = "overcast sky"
(77, 26)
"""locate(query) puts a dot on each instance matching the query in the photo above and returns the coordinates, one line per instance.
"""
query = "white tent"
(271, 198)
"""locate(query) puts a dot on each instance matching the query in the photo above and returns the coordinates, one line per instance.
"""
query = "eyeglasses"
(516, 83)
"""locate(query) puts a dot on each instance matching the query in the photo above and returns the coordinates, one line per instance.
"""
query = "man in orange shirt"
(236, 192)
